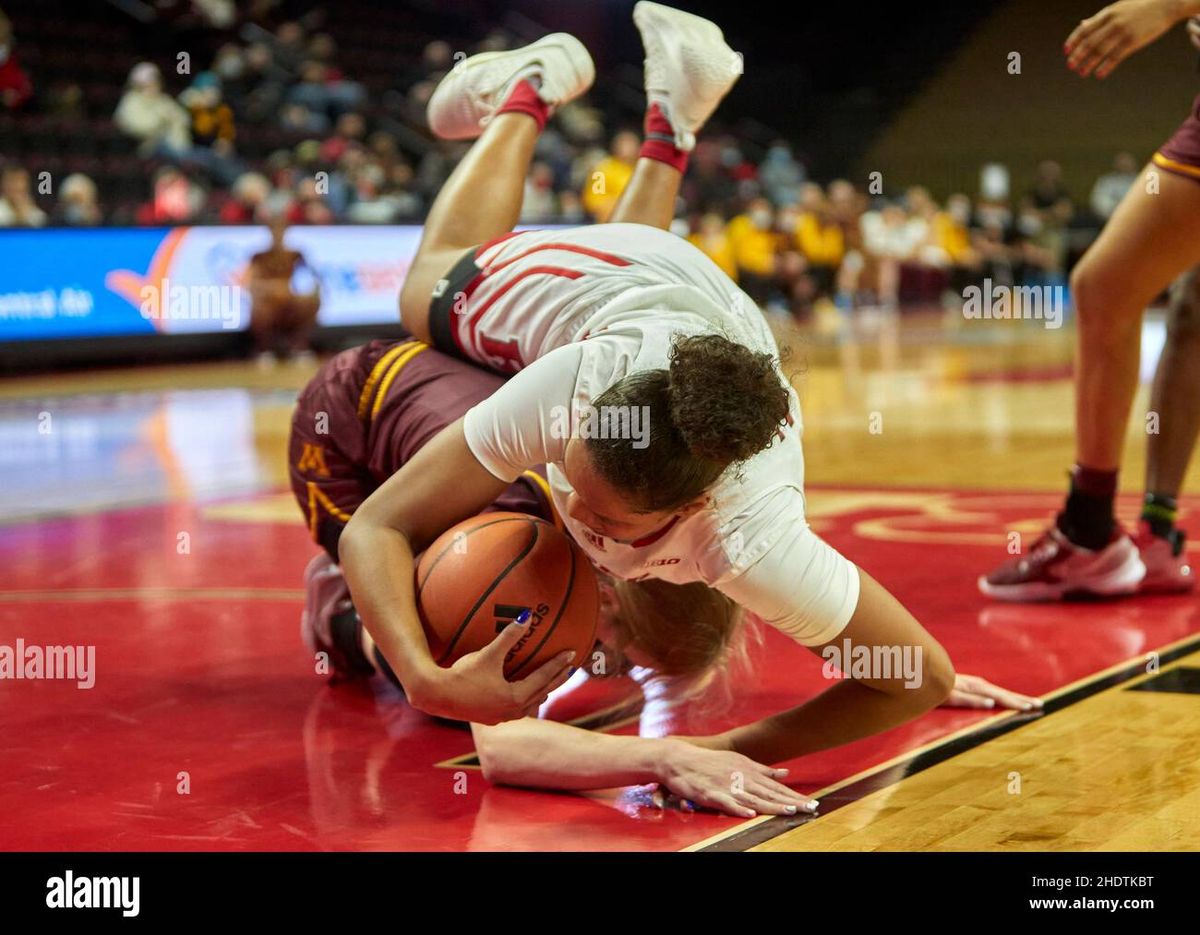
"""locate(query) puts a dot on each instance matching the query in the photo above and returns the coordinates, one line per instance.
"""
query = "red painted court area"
(201, 676)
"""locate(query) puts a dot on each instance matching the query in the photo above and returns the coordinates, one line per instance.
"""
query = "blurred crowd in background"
(789, 240)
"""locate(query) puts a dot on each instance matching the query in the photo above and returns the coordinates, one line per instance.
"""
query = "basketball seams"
(517, 559)
(562, 608)
(450, 545)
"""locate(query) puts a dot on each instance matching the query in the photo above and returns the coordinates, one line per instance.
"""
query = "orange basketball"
(477, 577)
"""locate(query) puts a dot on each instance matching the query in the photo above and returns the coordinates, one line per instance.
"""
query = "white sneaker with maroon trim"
(465, 100)
(1056, 568)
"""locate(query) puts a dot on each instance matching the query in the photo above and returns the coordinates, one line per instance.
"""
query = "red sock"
(659, 143)
(523, 99)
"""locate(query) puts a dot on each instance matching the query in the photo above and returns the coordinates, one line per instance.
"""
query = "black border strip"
(948, 749)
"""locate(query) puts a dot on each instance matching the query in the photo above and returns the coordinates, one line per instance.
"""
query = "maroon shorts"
(1181, 153)
(367, 412)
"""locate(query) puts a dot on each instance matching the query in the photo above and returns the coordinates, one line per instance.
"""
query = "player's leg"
(504, 99)
(1153, 236)
(689, 68)
(325, 449)
(1176, 400)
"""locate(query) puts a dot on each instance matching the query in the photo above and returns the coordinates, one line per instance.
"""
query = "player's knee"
(1085, 288)
(1101, 301)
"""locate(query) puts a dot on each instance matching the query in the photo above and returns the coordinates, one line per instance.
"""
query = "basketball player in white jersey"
(644, 379)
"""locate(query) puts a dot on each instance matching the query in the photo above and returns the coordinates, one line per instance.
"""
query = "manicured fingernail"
(791, 809)
(989, 703)
(812, 806)
(524, 617)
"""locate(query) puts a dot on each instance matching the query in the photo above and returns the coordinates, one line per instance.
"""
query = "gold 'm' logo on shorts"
(312, 458)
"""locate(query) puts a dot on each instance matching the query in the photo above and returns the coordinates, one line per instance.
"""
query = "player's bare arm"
(442, 485)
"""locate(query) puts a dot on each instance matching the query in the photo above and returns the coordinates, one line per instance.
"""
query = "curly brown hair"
(717, 404)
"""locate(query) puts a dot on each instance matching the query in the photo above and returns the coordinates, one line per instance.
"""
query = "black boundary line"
(847, 795)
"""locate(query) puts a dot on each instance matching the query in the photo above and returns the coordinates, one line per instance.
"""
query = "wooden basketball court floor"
(151, 522)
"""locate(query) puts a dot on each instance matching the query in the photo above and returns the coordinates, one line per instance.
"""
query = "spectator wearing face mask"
(780, 174)
(817, 236)
(77, 202)
(755, 243)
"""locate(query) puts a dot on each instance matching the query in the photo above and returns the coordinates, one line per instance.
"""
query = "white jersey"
(590, 305)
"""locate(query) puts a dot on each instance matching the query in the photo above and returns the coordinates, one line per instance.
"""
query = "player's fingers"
(1009, 699)
(508, 638)
(1081, 33)
(765, 806)
(965, 699)
(782, 795)
(1113, 58)
(546, 678)
(729, 805)
(1097, 52)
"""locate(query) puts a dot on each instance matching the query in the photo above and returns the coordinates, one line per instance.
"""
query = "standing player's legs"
(1153, 236)
(1175, 397)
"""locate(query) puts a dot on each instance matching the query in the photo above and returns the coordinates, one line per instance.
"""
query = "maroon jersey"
(367, 412)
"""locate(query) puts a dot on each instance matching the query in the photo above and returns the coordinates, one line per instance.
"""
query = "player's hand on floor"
(974, 691)
(1101, 42)
(729, 782)
(475, 689)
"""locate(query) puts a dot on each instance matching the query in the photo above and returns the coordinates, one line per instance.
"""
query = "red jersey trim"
(473, 321)
(654, 536)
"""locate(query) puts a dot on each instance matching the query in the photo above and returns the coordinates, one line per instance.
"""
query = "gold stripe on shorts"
(1163, 162)
(364, 399)
(393, 372)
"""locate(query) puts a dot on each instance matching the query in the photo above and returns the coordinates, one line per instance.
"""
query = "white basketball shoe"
(689, 67)
(467, 98)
